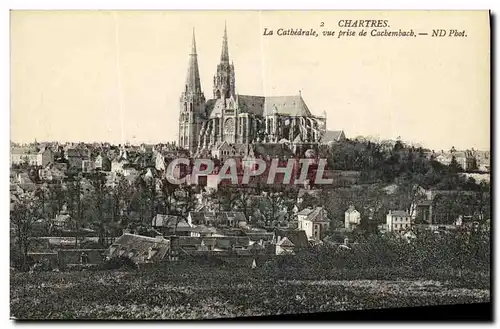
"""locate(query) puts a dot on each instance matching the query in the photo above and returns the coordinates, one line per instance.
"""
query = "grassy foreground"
(197, 292)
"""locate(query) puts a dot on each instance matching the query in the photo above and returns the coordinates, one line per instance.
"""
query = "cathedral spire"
(193, 47)
(224, 85)
(193, 83)
(224, 56)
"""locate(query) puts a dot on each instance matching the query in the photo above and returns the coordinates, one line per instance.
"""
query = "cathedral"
(228, 117)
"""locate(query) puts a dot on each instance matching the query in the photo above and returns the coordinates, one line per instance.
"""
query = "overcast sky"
(104, 76)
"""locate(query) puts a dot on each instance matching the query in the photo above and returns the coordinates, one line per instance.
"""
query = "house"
(226, 151)
(147, 148)
(140, 249)
(466, 159)
(204, 231)
(315, 193)
(75, 156)
(63, 222)
(122, 165)
(223, 218)
(314, 222)
(297, 237)
(44, 157)
(51, 173)
(409, 235)
(352, 218)
(173, 225)
(398, 221)
(21, 155)
(330, 137)
(424, 209)
(283, 246)
(183, 245)
(102, 163)
(232, 242)
(88, 166)
(23, 178)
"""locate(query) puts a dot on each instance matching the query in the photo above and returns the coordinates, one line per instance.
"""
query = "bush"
(119, 263)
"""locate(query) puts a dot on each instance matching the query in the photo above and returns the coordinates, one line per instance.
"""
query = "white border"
(185, 4)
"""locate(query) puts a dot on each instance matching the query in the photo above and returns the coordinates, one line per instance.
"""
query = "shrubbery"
(119, 263)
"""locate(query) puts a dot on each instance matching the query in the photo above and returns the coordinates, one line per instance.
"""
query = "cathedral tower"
(224, 84)
(192, 112)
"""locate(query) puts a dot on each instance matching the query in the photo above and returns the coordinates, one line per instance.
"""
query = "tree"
(186, 200)
(97, 199)
(167, 192)
(75, 205)
(454, 167)
(227, 197)
(56, 198)
(244, 202)
(23, 215)
(409, 192)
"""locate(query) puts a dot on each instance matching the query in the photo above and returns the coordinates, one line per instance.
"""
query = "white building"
(398, 221)
(314, 222)
(352, 218)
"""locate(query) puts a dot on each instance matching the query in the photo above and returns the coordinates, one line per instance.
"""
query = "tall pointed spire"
(193, 83)
(224, 56)
(193, 47)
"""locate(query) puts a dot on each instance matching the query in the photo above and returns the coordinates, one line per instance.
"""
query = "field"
(198, 292)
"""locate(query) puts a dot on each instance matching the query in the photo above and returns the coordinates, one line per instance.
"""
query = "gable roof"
(139, 245)
(399, 213)
(297, 237)
(200, 217)
(169, 221)
(251, 104)
(332, 136)
(257, 236)
(316, 214)
(351, 210)
(288, 105)
(285, 242)
(190, 241)
(304, 212)
(78, 152)
(23, 150)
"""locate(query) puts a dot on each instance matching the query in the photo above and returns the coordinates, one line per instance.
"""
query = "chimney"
(346, 241)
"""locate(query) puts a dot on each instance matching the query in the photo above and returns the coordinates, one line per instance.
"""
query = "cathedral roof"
(289, 105)
(251, 104)
(263, 106)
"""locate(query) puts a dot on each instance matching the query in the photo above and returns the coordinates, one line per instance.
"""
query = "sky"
(117, 76)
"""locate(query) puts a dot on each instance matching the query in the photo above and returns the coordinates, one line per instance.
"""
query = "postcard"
(240, 164)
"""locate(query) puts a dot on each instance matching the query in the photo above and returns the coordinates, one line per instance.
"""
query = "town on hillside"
(102, 201)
